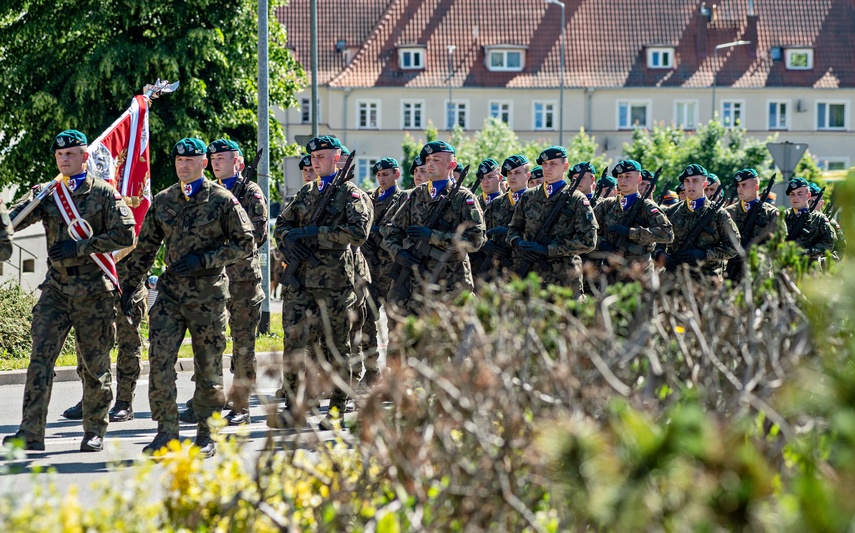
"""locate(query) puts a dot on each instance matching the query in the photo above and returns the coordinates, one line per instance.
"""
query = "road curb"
(69, 373)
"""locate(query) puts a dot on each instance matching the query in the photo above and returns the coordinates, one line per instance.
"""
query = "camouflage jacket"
(717, 239)
(255, 205)
(840, 242)
(767, 221)
(360, 263)
(817, 235)
(345, 226)
(651, 227)
(500, 211)
(112, 229)
(211, 224)
(460, 231)
(5, 233)
(379, 260)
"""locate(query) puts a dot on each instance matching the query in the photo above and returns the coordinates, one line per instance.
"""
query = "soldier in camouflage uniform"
(622, 243)
(461, 230)
(306, 169)
(646, 182)
(712, 185)
(766, 222)
(203, 228)
(330, 287)
(817, 235)
(536, 179)
(574, 231)
(491, 179)
(498, 217)
(76, 293)
(607, 189)
(245, 293)
(418, 171)
(716, 242)
(6, 232)
(840, 241)
(585, 174)
(386, 198)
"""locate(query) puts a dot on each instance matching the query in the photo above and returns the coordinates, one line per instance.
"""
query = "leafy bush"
(16, 319)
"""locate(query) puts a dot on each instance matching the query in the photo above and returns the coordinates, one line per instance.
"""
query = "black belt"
(206, 272)
(75, 270)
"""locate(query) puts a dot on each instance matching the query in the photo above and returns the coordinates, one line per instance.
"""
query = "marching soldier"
(634, 242)
(646, 181)
(461, 232)
(6, 232)
(714, 245)
(840, 241)
(584, 172)
(681, 193)
(574, 231)
(536, 178)
(815, 235)
(79, 290)
(608, 188)
(712, 187)
(458, 170)
(418, 171)
(491, 178)
(306, 169)
(203, 228)
(325, 293)
(499, 213)
(669, 199)
(747, 188)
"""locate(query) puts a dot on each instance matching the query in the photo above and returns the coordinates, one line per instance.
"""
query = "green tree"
(77, 64)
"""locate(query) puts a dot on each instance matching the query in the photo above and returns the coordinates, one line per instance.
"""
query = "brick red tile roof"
(606, 41)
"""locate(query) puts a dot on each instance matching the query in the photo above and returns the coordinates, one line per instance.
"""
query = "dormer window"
(411, 57)
(660, 57)
(505, 59)
(799, 58)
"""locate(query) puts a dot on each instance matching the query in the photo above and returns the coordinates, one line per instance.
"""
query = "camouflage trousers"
(168, 321)
(93, 320)
(318, 318)
(244, 308)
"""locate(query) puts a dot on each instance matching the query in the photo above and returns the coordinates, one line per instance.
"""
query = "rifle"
(664, 191)
(373, 241)
(542, 236)
(240, 187)
(701, 224)
(600, 186)
(401, 291)
(475, 184)
(800, 223)
(637, 207)
(831, 208)
(754, 213)
(322, 207)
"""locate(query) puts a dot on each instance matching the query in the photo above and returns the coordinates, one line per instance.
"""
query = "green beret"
(814, 189)
(417, 162)
(712, 178)
(384, 164)
(488, 165)
(189, 147)
(796, 183)
(515, 161)
(305, 162)
(67, 139)
(223, 145)
(326, 142)
(458, 168)
(553, 152)
(345, 150)
(646, 175)
(627, 165)
(580, 169)
(693, 170)
(607, 182)
(679, 188)
(435, 147)
(745, 174)
(536, 173)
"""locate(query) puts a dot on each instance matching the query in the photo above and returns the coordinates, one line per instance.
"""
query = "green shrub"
(16, 319)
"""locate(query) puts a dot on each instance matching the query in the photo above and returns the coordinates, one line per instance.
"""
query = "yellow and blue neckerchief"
(800, 211)
(514, 197)
(323, 181)
(228, 183)
(746, 206)
(627, 201)
(387, 193)
(694, 205)
(490, 197)
(551, 188)
(190, 189)
(73, 182)
(436, 187)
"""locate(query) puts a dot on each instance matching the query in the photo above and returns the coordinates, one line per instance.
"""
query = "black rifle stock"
(800, 223)
(637, 207)
(322, 207)
(401, 290)
(664, 192)
(240, 187)
(600, 186)
(542, 236)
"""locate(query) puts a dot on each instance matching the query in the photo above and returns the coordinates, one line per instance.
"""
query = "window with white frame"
(363, 170)
(731, 113)
(412, 113)
(831, 115)
(505, 60)
(411, 58)
(633, 113)
(456, 114)
(501, 110)
(686, 114)
(543, 115)
(800, 58)
(779, 115)
(368, 114)
(660, 57)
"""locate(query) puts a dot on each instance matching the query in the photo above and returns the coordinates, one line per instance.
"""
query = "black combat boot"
(25, 441)
(238, 417)
(121, 412)
(92, 442)
(75, 412)
(161, 440)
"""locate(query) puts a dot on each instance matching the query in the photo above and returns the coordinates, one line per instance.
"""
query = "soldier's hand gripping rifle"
(322, 208)
(664, 192)
(703, 222)
(754, 214)
(401, 290)
(636, 209)
(240, 187)
(542, 236)
(799, 226)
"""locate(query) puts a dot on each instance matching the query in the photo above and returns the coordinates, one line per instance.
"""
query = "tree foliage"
(78, 64)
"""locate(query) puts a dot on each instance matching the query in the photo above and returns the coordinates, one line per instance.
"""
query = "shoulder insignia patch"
(117, 196)
(470, 201)
(256, 195)
(235, 201)
(355, 194)
(586, 202)
(654, 211)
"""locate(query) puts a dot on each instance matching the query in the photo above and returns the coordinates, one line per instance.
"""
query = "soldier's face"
(518, 177)
(629, 182)
(642, 187)
(747, 189)
(190, 168)
(323, 161)
(554, 169)
(490, 181)
(225, 164)
(420, 176)
(694, 186)
(710, 189)
(387, 177)
(71, 161)
(534, 182)
(799, 198)
(439, 165)
(308, 174)
(586, 183)
(681, 195)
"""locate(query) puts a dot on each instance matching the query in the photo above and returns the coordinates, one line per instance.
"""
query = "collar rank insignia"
(72, 185)
(548, 189)
(623, 202)
(433, 192)
(694, 204)
(188, 190)
(517, 196)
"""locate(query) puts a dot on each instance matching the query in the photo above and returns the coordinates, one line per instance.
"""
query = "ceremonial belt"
(79, 229)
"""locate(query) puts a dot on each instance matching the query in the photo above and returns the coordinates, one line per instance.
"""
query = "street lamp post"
(450, 109)
(715, 68)
(563, 72)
